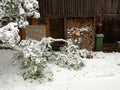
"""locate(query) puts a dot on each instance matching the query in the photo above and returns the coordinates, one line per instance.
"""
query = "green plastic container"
(99, 42)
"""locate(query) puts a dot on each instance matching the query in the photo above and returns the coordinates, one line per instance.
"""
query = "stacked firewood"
(81, 31)
(79, 23)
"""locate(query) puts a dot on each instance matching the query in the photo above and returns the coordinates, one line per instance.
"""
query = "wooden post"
(47, 27)
(22, 33)
(65, 31)
(99, 22)
(94, 27)
(35, 21)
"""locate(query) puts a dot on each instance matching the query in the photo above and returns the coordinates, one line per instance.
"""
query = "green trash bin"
(99, 42)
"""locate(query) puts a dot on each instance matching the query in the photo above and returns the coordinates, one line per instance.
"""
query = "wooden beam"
(47, 27)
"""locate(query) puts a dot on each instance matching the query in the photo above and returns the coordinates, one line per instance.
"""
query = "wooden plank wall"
(78, 8)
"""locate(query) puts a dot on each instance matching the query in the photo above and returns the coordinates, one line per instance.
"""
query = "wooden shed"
(105, 15)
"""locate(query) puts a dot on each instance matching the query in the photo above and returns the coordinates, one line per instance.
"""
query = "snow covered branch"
(20, 10)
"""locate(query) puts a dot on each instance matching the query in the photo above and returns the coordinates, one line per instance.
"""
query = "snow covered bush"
(69, 57)
(30, 56)
(36, 56)
(9, 35)
(20, 10)
(15, 11)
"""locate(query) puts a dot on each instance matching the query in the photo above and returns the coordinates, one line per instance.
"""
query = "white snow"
(36, 15)
(9, 34)
(100, 73)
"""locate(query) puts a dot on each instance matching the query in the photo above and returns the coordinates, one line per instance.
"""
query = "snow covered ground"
(100, 73)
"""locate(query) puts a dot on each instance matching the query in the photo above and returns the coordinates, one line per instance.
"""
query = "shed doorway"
(57, 28)
(111, 31)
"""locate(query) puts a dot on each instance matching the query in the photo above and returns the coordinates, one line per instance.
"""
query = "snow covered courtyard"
(100, 73)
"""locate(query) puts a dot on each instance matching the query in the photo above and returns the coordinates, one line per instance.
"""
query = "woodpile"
(74, 32)
(80, 22)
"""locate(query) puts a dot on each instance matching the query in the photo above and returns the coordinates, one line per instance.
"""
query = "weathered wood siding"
(78, 8)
